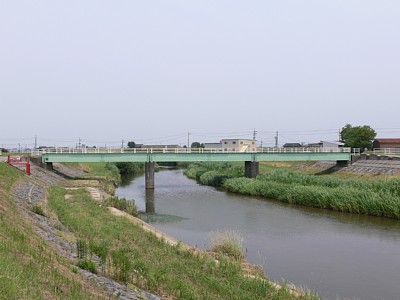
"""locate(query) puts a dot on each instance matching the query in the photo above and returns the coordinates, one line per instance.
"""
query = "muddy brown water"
(334, 254)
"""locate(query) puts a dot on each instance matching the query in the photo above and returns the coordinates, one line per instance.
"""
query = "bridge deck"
(192, 155)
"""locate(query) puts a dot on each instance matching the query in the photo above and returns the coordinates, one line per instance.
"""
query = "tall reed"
(372, 197)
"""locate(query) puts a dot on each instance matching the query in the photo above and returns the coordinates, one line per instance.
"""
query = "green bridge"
(150, 156)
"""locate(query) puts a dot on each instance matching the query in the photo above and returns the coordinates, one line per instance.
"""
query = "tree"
(131, 144)
(358, 136)
(197, 145)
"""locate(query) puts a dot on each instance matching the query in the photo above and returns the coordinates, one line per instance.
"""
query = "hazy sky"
(152, 71)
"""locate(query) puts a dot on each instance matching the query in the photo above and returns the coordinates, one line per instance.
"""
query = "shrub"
(130, 168)
(213, 178)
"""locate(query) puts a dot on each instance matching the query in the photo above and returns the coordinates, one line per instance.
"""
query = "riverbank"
(377, 196)
(36, 262)
(117, 251)
(337, 255)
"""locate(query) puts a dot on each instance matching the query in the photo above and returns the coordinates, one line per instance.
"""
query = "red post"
(28, 168)
(9, 160)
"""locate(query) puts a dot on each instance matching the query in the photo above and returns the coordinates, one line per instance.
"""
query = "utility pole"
(188, 144)
(254, 134)
(79, 143)
(122, 144)
(35, 141)
(276, 140)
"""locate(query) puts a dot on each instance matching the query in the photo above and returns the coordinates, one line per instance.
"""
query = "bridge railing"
(65, 150)
(387, 151)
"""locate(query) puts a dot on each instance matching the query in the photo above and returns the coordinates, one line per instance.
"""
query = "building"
(160, 146)
(325, 144)
(292, 145)
(213, 145)
(239, 145)
(386, 143)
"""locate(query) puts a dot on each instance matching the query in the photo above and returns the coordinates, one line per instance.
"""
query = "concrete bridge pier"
(149, 175)
(251, 169)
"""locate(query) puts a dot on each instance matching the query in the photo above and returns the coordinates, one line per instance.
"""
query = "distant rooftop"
(388, 140)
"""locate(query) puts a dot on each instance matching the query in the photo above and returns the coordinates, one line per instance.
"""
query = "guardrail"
(387, 151)
(39, 152)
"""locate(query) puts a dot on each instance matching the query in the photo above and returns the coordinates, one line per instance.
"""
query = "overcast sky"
(152, 71)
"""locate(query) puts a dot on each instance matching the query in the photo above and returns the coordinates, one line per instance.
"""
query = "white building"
(239, 145)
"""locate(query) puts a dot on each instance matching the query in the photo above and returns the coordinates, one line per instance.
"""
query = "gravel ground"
(32, 191)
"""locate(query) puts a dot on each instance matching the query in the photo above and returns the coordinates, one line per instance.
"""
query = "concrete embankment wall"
(374, 164)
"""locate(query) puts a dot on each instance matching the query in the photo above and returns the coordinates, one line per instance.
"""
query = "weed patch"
(122, 204)
(37, 209)
(229, 243)
(87, 264)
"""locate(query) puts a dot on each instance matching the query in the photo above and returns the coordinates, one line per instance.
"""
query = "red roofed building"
(386, 143)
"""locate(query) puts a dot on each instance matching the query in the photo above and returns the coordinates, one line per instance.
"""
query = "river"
(334, 254)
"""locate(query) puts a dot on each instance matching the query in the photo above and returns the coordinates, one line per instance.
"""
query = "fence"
(387, 151)
(189, 150)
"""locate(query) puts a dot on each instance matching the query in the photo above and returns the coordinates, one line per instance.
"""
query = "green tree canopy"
(197, 145)
(131, 144)
(358, 136)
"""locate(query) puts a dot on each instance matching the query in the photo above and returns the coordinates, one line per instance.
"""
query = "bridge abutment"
(342, 163)
(251, 169)
(49, 166)
(149, 175)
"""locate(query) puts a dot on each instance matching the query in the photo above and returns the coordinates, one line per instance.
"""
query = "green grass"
(361, 196)
(106, 173)
(132, 255)
(28, 267)
(214, 174)
(37, 209)
(280, 181)
(104, 170)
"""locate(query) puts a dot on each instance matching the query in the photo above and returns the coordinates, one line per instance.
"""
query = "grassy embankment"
(108, 174)
(28, 267)
(133, 256)
(377, 197)
(30, 270)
